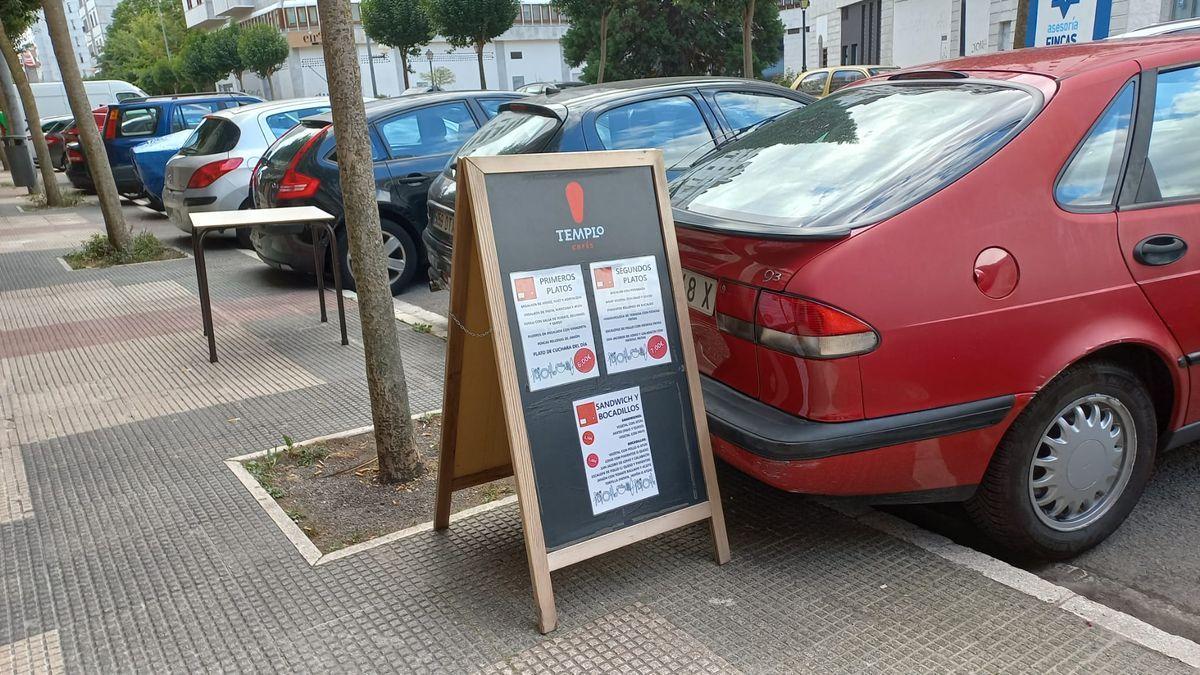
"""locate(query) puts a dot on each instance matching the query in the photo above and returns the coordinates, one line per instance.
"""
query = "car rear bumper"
(179, 205)
(926, 451)
(284, 248)
(439, 252)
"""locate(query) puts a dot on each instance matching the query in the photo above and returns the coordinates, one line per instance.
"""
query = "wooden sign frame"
(484, 435)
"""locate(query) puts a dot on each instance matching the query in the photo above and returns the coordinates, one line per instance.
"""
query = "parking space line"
(1129, 627)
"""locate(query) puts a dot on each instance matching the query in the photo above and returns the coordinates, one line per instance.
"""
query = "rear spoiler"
(701, 221)
(557, 112)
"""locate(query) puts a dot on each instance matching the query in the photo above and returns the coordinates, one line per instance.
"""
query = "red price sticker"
(588, 438)
(585, 360)
(657, 346)
(593, 460)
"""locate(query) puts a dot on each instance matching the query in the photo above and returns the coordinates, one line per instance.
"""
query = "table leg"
(199, 288)
(336, 257)
(205, 297)
(319, 264)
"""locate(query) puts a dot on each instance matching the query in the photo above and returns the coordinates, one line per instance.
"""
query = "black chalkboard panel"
(550, 219)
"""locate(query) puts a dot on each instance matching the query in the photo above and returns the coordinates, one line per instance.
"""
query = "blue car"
(137, 120)
(150, 163)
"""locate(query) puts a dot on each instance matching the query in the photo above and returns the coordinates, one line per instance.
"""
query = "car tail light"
(110, 124)
(809, 329)
(209, 173)
(734, 309)
(74, 155)
(297, 185)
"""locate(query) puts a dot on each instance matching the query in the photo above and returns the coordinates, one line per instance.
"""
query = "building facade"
(528, 52)
(47, 65)
(911, 32)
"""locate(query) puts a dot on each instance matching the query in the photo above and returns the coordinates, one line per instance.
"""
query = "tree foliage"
(18, 15)
(134, 48)
(662, 38)
(403, 25)
(208, 57)
(473, 23)
(442, 78)
(262, 49)
(598, 12)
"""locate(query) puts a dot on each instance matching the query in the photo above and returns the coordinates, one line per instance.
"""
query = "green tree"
(224, 53)
(400, 24)
(263, 49)
(194, 63)
(442, 78)
(662, 38)
(473, 23)
(598, 11)
(142, 34)
(16, 16)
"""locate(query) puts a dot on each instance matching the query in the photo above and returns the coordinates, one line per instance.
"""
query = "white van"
(51, 97)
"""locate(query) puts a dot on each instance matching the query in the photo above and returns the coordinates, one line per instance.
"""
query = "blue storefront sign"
(1064, 22)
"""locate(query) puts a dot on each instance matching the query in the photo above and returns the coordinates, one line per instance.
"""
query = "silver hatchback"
(211, 172)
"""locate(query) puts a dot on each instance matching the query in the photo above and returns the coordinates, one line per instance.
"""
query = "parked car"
(212, 170)
(52, 129)
(1180, 27)
(538, 88)
(684, 116)
(150, 164)
(966, 282)
(411, 139)
(821, 82)
(129, 124)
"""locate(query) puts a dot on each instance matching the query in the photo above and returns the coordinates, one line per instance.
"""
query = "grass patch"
(261, 469)
(422, 327)
(70, 198)
(97, 252)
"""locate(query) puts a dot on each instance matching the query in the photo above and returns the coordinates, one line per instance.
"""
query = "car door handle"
(412, 179)
(1160, 249)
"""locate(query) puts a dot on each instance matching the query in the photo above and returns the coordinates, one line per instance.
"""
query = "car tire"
(1016, 502)
(398, 244)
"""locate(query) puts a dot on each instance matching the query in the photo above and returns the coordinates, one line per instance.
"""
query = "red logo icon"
(603, 277)
(588, 438)
(526, 288)
(657, 346)
(593, 460)
(575, 201)
(585, 360)
(586, 414)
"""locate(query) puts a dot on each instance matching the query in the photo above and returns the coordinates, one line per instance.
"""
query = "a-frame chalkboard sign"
(570, 362)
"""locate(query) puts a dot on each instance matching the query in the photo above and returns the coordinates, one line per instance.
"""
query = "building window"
(1004, 37)
(793, 31)
(313, 19)
(290, 16)
(515, 55)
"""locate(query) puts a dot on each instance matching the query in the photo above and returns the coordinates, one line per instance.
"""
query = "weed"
(494, 491)
(70, 198)
(96, 251)
(295, 515)
(422, 327)
(304, 455)
(261, 470)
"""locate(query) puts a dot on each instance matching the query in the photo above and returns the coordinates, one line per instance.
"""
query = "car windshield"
(854, 157)
(509, 133)
(213, 136)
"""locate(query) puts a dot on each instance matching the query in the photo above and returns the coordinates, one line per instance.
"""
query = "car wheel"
(398, 247)
(1072, 466)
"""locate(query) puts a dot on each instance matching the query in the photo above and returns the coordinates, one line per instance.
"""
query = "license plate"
(701, 292)
(442, 219)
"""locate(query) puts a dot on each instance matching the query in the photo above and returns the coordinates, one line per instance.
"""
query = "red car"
(965, 282)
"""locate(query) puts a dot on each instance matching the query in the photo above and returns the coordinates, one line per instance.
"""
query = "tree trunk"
(5, 107)
(117, 229)
(603, 43)
(479, 57)
(1020, 26)
(241, 86)
(748, 40)
(404, 66)
(399, 459)
(29, 105)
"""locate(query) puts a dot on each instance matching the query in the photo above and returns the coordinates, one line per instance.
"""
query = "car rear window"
(213, 136)
(511, 132)
(855, 157)
(279, 154)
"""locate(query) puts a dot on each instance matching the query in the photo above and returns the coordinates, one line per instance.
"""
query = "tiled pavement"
(125, 544)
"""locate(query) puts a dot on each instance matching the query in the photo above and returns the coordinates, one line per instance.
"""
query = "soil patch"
(331, 489)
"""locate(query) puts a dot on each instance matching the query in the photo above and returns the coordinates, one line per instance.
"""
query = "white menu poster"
(633, 329)
(555, 326)
(616, 450)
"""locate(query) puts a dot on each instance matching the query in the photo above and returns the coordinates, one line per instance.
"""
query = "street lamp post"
(371, 65)
(803, 35)
(429, 58)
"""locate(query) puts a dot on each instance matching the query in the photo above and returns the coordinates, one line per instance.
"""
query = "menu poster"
(555, 326)
(616, 449)
(633, 328)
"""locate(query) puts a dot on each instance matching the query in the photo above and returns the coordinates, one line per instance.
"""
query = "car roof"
(389, 105)
(594, 94)
(1165, 28)
(219, 95)
(1066, 60)
(253, 109)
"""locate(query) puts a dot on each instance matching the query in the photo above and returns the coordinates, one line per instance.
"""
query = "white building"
(96, 16)
(912, 32)
(48, 70)
(528, 52)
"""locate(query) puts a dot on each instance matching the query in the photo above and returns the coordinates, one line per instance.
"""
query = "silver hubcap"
(393, 253)
(1083, 463)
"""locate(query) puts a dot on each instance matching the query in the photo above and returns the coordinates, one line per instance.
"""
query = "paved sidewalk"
(126, 544)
